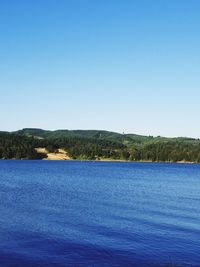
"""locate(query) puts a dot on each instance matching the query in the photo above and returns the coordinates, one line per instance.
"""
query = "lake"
(88, 214)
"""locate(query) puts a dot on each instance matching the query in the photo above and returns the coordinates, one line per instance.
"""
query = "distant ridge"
(98, 134)
(96, 145)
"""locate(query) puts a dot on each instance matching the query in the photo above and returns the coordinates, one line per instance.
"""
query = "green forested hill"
(98, 144)
(70, 133)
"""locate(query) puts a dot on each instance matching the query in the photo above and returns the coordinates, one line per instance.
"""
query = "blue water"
(55, 213)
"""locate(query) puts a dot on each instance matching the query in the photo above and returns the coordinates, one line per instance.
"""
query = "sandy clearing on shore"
(61, 154)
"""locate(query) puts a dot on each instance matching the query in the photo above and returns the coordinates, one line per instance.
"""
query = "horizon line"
(104, 130)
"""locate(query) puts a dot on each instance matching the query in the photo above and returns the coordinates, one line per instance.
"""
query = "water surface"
(71, 213)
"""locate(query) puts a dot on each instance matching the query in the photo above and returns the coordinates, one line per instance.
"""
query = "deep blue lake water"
(88, 214)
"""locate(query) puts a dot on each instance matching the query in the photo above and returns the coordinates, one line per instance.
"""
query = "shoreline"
(103, 160)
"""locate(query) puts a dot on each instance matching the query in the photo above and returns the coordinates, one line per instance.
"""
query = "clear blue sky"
(121, 65)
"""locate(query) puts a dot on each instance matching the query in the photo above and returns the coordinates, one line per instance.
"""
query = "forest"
(98, 145)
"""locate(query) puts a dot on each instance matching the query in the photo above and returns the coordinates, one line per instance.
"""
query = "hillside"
(96, 145)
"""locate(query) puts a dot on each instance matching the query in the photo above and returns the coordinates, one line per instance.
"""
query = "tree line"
(16, 146)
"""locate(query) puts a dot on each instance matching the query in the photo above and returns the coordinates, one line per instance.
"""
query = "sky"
(128, 66)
